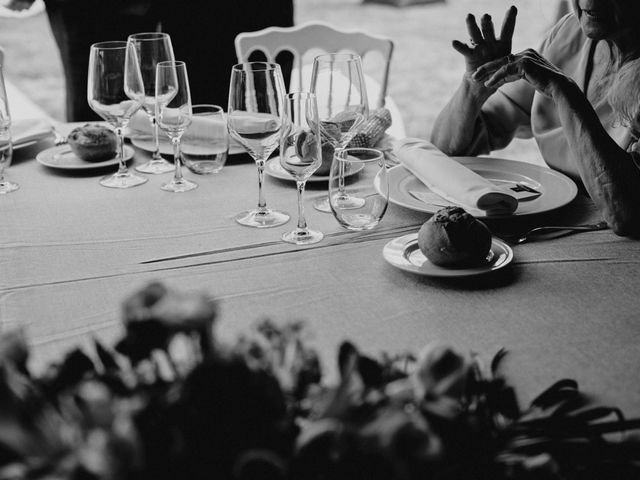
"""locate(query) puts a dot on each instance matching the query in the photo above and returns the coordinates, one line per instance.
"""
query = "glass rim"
(336, 56)
(143, 36)
(170, 63)
(110, 45)
(215, 108)
(255, 66)
(379, 154)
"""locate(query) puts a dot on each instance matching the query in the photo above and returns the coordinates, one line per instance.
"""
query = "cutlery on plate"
(522, 238)
(58, 138)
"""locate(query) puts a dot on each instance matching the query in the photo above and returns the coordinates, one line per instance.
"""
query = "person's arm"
(453, 132)
(608, 172)
(456, 126)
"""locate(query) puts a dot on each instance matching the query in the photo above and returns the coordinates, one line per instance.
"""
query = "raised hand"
(528, 65)
(485, 47)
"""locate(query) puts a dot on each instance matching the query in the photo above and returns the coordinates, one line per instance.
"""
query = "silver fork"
(58, 138)
(559, 228)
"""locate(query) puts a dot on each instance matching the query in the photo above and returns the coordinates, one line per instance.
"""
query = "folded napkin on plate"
(453, 181)
(30, 130)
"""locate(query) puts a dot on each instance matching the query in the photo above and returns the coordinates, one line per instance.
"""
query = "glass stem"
(122, 166)
(156, 139)
(341, 170)
(262, 201)
(177, 175)
(302, 222)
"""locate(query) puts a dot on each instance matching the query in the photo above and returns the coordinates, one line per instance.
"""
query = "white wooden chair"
(320, 37)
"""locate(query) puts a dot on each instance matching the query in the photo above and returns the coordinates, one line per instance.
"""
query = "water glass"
(358, 188)
(6, 147)
(205, 144)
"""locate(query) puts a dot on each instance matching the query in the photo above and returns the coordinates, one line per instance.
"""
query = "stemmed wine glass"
(115, 91)
(6, 146)
(300, 155)
(174, 114)
(152, 47)
(338, 83)
(256, 103)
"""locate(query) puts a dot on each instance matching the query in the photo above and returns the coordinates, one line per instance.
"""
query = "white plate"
(147, 144)
(404, 253)
(557, 189)
(63, 158)
(274, 169)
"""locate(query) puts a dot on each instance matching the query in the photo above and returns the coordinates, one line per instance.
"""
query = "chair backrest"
(314, 36)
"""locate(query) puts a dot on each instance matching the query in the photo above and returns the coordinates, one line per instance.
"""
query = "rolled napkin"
(452, 181)
(201, 127)
(30, 130)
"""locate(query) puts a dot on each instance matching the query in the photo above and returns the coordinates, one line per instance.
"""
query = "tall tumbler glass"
(256, 104)
(152, 48)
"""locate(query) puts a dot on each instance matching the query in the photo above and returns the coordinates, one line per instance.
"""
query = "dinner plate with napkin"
(453, 182)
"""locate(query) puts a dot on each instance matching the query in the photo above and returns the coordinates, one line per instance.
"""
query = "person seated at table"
(578, 96)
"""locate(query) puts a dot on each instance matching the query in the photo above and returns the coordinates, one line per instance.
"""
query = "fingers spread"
(474, 31)
(509, 24)
(487, 28)
(462, 48)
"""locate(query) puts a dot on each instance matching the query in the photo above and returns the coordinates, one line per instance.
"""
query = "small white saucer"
(404, 253)
(61, 157)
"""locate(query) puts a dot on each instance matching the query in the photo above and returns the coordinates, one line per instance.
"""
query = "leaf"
(556, 392)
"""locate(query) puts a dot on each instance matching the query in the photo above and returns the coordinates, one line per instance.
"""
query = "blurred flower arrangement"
(170, 402)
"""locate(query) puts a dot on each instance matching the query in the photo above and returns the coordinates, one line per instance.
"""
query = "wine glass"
(115, 92)
(6, 146)
(300, 155)
(256, 103)
(174, 115)
(338, 83)
(152, 47)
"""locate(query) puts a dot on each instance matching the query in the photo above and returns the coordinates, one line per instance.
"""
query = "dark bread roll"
(93, 143)
(454, 238)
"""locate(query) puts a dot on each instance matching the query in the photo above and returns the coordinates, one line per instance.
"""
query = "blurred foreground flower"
(170, 402)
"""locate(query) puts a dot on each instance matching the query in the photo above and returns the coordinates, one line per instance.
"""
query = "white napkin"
(452, 181)
(201, 127)
(250, 122)
(28, 130)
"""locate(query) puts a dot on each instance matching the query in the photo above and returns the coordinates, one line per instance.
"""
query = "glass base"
(156, 166)
(8, 187)
(302, 236)
(322, 204)
(262, 218)
(182, 185)
(122, 180)
(344, 202)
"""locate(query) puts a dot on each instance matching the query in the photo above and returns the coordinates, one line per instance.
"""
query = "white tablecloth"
(71, 250)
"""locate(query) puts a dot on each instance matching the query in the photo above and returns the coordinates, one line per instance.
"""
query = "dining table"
(71, 251)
